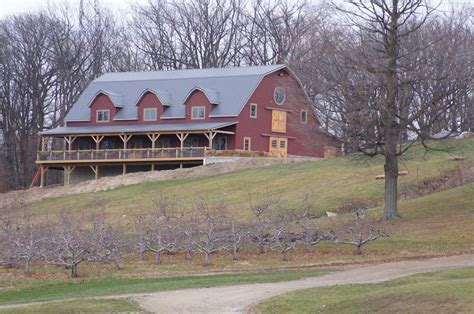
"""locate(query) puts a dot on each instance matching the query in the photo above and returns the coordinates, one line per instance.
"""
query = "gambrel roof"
(228, 88)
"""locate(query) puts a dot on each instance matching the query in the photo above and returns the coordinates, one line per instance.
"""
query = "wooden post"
(125, 138)
(97, 139)
(69, 140)
(95, 169)
(210, 136)
(43, 143)
(182, 137)
(68, 171)
(43, 170)
(124, 169)
(153, 138)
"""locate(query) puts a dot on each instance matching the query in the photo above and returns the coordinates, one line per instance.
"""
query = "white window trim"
(97, 115)
(250, 143)
(156, 114)
(256, 107)
(198, 118)
(306, 116)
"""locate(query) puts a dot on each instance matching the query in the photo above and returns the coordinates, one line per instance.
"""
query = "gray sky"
(8, 7)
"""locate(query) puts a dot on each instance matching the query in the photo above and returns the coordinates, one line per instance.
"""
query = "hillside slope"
(328, 184)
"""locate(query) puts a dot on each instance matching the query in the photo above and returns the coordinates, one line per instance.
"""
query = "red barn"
(138, 121)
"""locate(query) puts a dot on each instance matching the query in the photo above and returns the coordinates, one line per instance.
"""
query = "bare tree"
(359, 231)
(109, 241)
(282, 238)
(68, 244)
(162, 234)
(260, 230)
(211, 231)
(237, 235)
(370, 67)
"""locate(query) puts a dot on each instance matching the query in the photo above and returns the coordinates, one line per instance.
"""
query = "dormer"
(104, 105)
(151, 104)
(199, 102)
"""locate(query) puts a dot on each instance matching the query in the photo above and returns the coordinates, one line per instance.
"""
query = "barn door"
(278, 147)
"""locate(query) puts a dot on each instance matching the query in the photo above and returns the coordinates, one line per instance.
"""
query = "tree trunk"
(27, 266)
(286, 256)
(206, 259)
(391, 190)
(117, 263)
(391, 125)
(236, 254)
(189, 255)
(74, 272)
(158, 257)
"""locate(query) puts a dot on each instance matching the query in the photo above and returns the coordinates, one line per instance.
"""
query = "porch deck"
(98, 156)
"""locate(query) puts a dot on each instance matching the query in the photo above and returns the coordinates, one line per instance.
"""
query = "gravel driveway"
(239, 299)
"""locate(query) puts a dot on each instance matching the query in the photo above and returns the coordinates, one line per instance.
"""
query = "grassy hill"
(435, 224)
(329, 184)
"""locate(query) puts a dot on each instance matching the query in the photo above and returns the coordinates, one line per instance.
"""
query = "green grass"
(440, 292)
(328, 184)
(32, 291)
(78, 306)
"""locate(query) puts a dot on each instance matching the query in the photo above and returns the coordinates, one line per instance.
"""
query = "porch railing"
(123, 154)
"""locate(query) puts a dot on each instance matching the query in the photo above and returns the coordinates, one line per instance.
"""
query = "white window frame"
(102, 111)
(306, 116)
(155, 110)
(253, 105)
(193, 117)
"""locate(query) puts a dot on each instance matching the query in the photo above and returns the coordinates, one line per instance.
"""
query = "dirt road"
(238, 299)
(241, 298)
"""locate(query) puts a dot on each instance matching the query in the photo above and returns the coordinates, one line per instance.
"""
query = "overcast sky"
(8, 7)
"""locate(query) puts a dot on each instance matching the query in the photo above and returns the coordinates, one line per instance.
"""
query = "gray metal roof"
(138, 128)
(229, 88)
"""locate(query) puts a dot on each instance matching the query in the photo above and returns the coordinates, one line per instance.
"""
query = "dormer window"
(198, 112)
(150, 114)
(103, 115)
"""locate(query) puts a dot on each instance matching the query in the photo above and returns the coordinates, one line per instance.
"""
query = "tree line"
(378, 74)
(69, 239)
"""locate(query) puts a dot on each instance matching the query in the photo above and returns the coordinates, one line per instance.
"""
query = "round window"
(279, 95)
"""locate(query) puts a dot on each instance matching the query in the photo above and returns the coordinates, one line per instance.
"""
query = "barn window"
(282, 144)
(247, 143)
(253, 110)
(103, 115)
(150, 114)
(279, 96)
(198, 112)
(274, 144)
(304, 116)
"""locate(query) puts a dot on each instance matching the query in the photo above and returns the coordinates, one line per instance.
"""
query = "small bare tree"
(162, 234)
(359, 231)
(68, 244)
(260, 230)
(237, 236)
(109, 241)
(27, 240)
(211, 235)
(282, 238)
